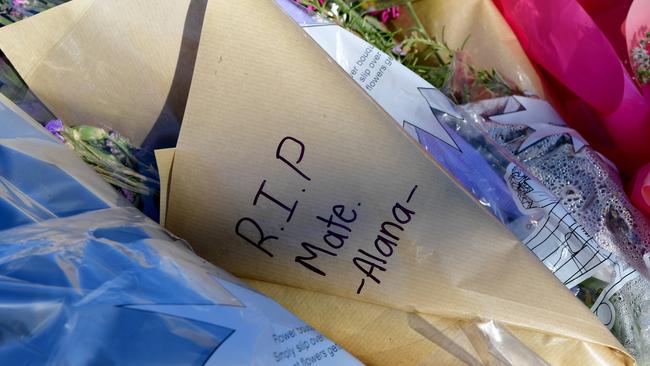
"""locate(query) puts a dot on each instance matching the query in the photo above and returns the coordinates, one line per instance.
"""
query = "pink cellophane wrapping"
(566, 42)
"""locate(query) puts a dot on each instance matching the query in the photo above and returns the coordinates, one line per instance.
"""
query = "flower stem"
(420, 28)
(416, 19)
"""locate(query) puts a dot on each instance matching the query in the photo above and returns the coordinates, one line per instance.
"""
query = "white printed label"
(404, 95)
(263, 332)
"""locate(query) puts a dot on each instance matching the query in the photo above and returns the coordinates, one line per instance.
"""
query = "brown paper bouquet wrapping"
(287, 175)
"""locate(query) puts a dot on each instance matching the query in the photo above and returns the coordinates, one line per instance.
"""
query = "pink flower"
(309, 7)
(387, 14)
(400, 50)
(19, 3)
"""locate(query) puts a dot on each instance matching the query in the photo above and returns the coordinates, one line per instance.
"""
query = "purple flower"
(398, 50)
(129, 195)
(19, 3)
(55, 127)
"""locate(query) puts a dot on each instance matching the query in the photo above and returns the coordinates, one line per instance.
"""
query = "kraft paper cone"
(121, 64)
(276, 136)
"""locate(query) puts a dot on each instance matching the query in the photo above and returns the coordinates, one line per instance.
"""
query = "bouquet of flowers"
(641, 59)
(124, 166)
(268, 197)
(422, 260)
(510, 129)
(430, 57)
(120, 163)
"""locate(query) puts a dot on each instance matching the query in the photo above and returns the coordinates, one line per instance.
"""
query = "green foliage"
(430, 57)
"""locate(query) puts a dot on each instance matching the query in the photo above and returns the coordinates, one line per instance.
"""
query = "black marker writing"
(261, 192)
(385, 243)
(337, 232)
(260, 233)
(296, 143)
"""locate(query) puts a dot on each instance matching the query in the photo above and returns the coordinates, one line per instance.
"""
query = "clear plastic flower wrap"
(589, 189)
(111, 287)
(128, 168)
(40, 178)
(587, 184)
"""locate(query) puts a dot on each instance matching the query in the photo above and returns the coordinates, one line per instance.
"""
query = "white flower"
(334, 11)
